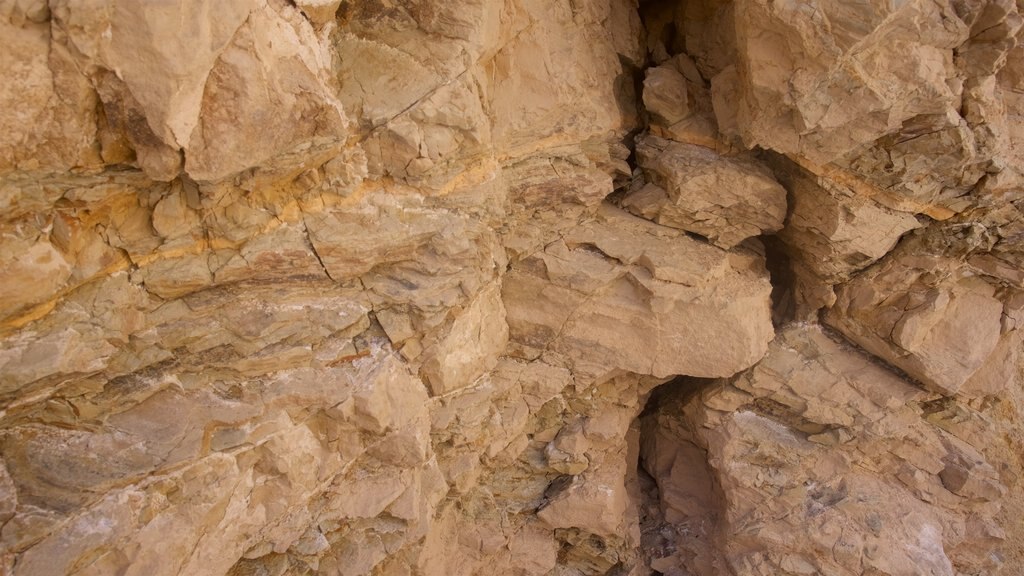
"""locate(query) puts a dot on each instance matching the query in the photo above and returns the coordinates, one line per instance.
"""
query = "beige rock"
(834, 230)
(472, 346)
(37, 258)
(831, 107)
(319, 11)
(51, 123)
(665, 94)
(940, 330)
(622, 293)
(237, 130)
(324, 287)
(822, 513)
(725, 199)
(594, 503)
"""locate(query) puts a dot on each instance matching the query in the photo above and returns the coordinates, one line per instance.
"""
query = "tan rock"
(472, 346)
(939, 330)
(665, 94)
(52, 123)
(833, 229)
(816, 115)
(622, 293)
(330, 287)
(237, 130)
(725, 199)
(806, 380)
(319, 11)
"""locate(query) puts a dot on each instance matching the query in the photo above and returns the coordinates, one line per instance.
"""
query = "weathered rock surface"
(724, 199)
(827, 421)
(621, 293)
(521, 287)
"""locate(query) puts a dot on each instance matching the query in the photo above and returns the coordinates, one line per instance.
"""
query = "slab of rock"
(834, 230)
(623, 293)
(472, 346)
(806, 73)
(924, 315)
(52, 124)
(725, 199)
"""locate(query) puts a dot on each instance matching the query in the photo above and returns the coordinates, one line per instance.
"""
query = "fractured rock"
(725, 199)
(623, 293)
(924, 315)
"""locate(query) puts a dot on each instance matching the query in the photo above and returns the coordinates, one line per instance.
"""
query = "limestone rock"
(665, 94)
(319, 11)
(725, 199)
(828, 110)
(472, 347)
(825, 416)
(622, 293)
(933, 322)
(52, 123)
(525, 287)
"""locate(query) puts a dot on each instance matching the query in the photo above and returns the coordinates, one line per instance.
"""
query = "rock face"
(621, 293)
(726, 200)
(525, 287)
(818, 460)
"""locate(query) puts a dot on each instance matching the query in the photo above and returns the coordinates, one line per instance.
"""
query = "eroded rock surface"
(525, 287)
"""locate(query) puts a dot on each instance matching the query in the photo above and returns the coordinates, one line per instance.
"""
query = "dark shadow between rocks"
(679, 501)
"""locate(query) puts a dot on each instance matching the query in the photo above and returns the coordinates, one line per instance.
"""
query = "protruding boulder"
(623, 293)
(924, 314)
(726, 199)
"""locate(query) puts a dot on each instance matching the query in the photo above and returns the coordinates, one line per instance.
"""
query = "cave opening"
(679, 501)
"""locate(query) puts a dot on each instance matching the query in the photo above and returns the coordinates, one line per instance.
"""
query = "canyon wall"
(516, 287)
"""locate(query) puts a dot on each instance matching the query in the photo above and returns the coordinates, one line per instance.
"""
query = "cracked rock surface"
(524, 287)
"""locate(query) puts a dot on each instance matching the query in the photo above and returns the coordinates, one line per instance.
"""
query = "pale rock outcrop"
(725, 199)
(50, 123)
(818, 83)
(665, 94)
(831, 233)
(826, 419)
(621, 293)
(801, 72)
(353, 287)
(924, 315)
(471, 348)
(168, 82)
(835, 231)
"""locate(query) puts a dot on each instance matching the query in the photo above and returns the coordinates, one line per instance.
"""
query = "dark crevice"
(783, 279)
(679, 503)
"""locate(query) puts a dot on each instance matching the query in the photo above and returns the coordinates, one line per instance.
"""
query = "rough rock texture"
(724, 199)
(525, 287)
(855, 467)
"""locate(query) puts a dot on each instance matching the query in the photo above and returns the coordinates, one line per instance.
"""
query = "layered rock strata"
(525, 287)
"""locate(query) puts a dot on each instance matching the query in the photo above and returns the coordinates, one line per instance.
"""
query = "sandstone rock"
(237, 130)
(835, 231)
(52, 126)
(472, 346)
(828, 110)
(665, 94)
(324, 287)
(621, 293)
(725, 199)
(319, 11)
(808, 382)
(937, 325)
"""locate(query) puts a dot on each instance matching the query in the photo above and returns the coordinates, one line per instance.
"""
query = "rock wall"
(524, 287)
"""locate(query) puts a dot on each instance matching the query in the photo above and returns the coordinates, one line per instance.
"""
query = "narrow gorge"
(511, 287)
